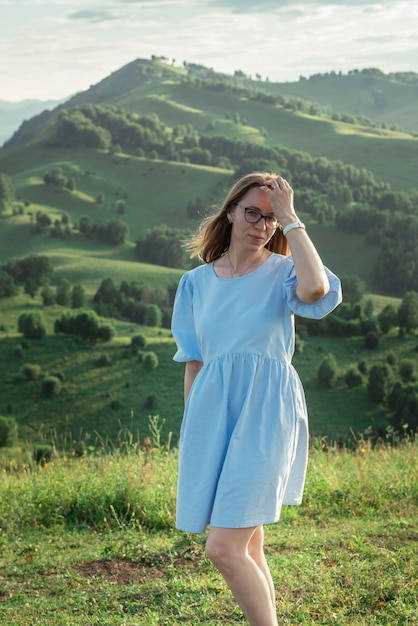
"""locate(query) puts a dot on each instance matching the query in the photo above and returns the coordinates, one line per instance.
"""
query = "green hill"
(208, 106)
(167, 142)
(386, 98)
(211, 102)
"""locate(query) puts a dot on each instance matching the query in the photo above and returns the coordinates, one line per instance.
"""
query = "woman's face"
(246, 234)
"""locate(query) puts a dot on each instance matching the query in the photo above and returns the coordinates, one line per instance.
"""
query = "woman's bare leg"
(236, 553)
(256, 551)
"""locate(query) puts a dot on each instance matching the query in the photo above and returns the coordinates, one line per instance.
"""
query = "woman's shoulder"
(198, 271)
(196, 274)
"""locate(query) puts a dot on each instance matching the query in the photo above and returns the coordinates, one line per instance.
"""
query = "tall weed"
(134, 486)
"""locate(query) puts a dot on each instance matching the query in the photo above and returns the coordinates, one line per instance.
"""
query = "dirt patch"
(125, 571)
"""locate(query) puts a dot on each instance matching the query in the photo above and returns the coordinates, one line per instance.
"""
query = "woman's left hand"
(280, 194)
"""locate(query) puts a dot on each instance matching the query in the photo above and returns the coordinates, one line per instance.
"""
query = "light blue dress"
(244, 435)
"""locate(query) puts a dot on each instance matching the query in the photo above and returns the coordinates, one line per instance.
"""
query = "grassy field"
(91, 541)
(99, 404)
(356, 94)
(389, 155)
(99, 401)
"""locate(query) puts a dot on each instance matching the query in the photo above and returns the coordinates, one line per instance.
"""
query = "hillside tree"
(380, 382)
(327, 372)
(63, 293)
(6, 191)
(408, 313)
(8, 286)
(32, 272)
(162, 246)
(78, 297)
(31, 325)
(353, 288)
(387, 318)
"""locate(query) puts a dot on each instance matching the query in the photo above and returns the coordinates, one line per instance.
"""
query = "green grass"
(345, 253)
(92, 541)
(389, 155)
(157, 193)
(355, 94)
(96, 402)
(99, 401)
(340, 412)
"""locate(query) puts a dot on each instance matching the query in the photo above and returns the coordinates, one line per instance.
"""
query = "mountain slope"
(12, 114)
(199, 129)
(385, 98)
(183, 97)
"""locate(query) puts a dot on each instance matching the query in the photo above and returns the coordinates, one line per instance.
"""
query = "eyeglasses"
(253, 216)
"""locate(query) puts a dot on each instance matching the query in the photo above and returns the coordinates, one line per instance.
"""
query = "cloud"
(93, 15)
(53, 50)
(249, 6)
(158, 4)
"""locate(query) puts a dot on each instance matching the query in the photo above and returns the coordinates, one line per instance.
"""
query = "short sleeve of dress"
(182, 323)
(320, 308)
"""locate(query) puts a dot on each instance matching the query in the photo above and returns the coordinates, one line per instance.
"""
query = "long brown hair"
(213, 236)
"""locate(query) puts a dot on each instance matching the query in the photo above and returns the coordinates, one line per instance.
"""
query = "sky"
(52, 49)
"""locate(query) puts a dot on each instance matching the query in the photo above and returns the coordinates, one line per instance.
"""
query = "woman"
(244, 435)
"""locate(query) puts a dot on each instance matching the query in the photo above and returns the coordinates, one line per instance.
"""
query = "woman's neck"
(243, 263)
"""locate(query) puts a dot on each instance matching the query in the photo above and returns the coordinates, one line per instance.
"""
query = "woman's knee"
(256, 545)
(224, 547)
(217, 550)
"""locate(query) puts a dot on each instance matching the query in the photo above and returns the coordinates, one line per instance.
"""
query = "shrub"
(327, 372)
(391, 359)
(18, 352)
(166, 314)
(387, 318)
(362, 366)
(48, 296)
(408, 312)
(140, 341)
(51, 386)
(104, 360)
(151, 401)
(106, 332)
(353, 378)
(153, 315)
(380, 382)
(31, 325)
(371, 340)
(85, 324)
(162, 246)
(31, 371)
(78, 297)
(63, 292)
(43, 454)
(59, 375)
(150, 361)
(407, 370)
(368, 326)
(8, 286)
(403, 401)
(31, 271)
(8, 431)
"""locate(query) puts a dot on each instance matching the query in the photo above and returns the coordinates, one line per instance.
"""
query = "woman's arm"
(191, 371)
(313, 283)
